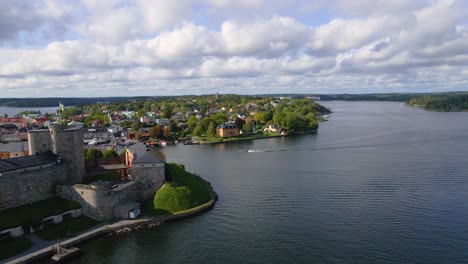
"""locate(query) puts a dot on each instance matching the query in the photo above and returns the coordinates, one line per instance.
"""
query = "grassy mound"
(183, 191)
(13, 246)
(33, 213)
(68, 228)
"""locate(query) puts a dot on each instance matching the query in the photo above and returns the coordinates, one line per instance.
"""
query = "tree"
(138, 135)
(167, 112)
(248, 127)
(239, 122)
(167, 132)
(211, 131)
(109, 154)
(192, 121)
(92, 154)
(155, 132)
(136, 126)
(174, 127)
(218, 118)
(197, 131)
(141, 113)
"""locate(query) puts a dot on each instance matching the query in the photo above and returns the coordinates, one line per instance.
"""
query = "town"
(160, 121)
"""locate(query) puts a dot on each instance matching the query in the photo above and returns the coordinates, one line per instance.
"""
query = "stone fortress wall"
(62, 171)
(68, 143)
(150, 178)
(23, 187)
(100, 200)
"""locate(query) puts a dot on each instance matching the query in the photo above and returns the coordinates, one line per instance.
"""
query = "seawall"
(124, 225)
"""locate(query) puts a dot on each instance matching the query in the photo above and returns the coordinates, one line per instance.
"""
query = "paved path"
(38, 252)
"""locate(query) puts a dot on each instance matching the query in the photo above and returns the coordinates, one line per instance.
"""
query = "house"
(273, 128)
(40, 121)
(10, 137)
(13, 150)
(97, 123)
(115, 129)
(145, 120)
(116, 119)
(163, 121)
(227, 130)
(18, 122)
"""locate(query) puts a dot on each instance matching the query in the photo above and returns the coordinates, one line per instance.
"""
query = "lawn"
(12, 246)
(33, 213)
(68, 228)
(183, 191)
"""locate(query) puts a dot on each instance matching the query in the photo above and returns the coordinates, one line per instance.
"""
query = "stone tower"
(67, 142)
(39, 141)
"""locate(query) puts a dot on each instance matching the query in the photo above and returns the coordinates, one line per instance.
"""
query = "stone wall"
(22, 187)
(99, 200)
(68, 143)
(150, 177)
(39, 141)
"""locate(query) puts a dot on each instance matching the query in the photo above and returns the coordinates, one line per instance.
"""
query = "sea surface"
(380, 183)
(12, 111)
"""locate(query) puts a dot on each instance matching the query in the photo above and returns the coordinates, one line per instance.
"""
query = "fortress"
(56, 167)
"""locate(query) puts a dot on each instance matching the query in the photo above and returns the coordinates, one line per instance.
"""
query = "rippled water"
(12, 111)
(380, 183)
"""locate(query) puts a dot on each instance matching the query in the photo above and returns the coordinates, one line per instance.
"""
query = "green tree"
(248, 127)
(192, 121)
(167, 132)
(155, 132)
(198, 131)
(211, 131)
(138, 135)
(92, 154)
(136, 126)
(109, 154)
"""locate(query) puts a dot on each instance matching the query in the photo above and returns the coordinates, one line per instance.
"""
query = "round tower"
(67, 142)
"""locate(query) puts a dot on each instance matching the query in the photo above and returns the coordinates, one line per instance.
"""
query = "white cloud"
(163, 46)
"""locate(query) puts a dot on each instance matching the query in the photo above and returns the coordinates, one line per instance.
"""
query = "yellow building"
(227, 130)
(13, 149)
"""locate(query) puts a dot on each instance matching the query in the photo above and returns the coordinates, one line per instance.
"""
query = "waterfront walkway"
(105, 229)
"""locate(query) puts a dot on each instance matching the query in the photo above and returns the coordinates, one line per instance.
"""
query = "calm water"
(12, 111)
(380, 183)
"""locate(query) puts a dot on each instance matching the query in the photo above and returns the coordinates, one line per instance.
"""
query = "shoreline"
(119, 227)
(256, 138)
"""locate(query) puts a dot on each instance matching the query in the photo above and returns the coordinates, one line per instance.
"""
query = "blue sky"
(159, 47)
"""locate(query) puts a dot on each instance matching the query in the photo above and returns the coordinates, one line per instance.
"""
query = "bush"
(185, 191)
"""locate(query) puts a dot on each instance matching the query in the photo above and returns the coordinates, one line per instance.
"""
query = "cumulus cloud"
(174, 47)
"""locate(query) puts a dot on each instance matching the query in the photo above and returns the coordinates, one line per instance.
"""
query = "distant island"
(447, 103)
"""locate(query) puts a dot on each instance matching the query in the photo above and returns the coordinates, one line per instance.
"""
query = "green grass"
(68, 228)
(12, 246)
(111, 176)
(183, 192)
(32, 214)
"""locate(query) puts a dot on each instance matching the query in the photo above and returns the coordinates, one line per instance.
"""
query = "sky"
(86, 48)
